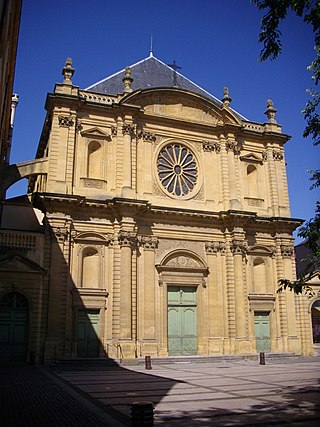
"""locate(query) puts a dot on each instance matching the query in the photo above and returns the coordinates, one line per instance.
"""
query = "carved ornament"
(65, 121)
(287, 251)
(211, 146)
(182, 261)
(114, 130)
(238, 247)
(147, 136)
(148, 242)
(232, 145)
(127, 238)
(254, 201)
(61, 233)
(92, 183)
(128, 129)
(277, 155)
(215, 247)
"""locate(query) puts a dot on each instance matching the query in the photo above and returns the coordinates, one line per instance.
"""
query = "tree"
(270, 37)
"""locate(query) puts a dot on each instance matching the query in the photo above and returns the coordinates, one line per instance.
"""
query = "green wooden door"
(13, 328)
(88, 333)
(262, 331)
(182, 321)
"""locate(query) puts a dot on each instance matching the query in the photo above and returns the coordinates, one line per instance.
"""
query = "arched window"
(259, 276)
(94, 160)
(14, 300)
(90, 268)
(252, 181)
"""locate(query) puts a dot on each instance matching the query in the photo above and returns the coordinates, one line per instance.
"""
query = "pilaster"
(57, 342)
(128, 132)
(127, 241)
(216, 297)
(146, 297)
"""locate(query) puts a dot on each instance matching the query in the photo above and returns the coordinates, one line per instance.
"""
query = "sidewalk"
(230, 393)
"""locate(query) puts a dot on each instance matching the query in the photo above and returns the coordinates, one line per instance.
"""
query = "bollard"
(148, 362)
(262, 359)
(142, 414)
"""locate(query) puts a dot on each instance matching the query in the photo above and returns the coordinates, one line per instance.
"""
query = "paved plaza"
(226, 393)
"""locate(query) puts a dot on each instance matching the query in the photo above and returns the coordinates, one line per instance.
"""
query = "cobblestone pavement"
(31, 397)
(223, 394)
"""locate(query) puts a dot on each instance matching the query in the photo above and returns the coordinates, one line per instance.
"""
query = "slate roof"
(149, 73)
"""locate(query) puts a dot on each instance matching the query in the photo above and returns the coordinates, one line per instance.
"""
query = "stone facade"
(159, 203)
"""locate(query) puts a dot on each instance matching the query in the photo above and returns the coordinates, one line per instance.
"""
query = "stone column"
(239, 250)
(58, 286)
(147, 297)
(272, 175)
(128, 133)
(216, 296)
(127, 241)
(233, 150)
(224, 174)
(287, 252)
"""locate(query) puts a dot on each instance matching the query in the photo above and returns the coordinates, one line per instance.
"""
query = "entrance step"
(108, 363)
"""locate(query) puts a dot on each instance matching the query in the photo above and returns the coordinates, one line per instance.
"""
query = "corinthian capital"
(215, 247)
(238, 247)
(148, 242)
(286, 251)
(127, 238)
(128, 129)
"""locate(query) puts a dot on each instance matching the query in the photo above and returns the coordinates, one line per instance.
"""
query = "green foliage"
(297, 286)
(270, 37)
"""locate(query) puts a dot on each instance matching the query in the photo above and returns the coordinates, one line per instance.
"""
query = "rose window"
(177, 169)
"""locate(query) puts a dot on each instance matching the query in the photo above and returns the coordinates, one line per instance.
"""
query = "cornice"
(118, 207)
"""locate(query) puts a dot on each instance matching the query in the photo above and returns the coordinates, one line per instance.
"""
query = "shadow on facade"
(45, 318)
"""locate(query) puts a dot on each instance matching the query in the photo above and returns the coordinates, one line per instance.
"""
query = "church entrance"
(13, 327)
(88, 333)
(262, 331)
(182, 321)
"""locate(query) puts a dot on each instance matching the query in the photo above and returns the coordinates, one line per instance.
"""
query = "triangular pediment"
(251, 158)
(95, 133)
(18, 264)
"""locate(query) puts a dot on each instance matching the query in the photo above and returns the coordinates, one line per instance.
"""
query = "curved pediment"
(183, 259)
(92, 237)
(182, 105)
(261, 250)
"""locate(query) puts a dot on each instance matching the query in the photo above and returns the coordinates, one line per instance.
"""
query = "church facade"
(166, 226)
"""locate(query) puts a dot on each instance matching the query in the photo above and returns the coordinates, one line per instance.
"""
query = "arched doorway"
(315, 317)
(14, 308)
(182, 277)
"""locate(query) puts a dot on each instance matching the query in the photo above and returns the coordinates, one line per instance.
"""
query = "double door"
(262, 332)
(88, 333)
(182, 321)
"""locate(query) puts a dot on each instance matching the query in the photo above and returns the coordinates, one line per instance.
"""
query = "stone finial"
(226, 98)
(67, 72)
(127, 80)
(270, 112)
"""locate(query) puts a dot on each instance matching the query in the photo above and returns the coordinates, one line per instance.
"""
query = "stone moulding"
(261, 302)
(93, 183)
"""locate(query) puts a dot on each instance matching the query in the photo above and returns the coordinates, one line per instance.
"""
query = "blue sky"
(214, 41)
